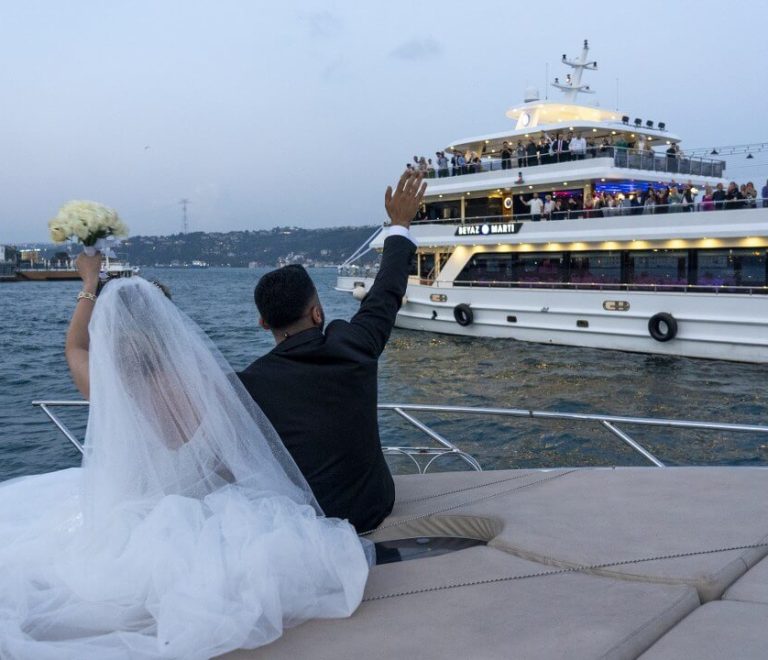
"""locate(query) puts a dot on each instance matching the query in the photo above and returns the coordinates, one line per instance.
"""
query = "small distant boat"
(67, 271)
(118, 268)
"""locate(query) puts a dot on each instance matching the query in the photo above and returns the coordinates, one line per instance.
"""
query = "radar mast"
(572, 85)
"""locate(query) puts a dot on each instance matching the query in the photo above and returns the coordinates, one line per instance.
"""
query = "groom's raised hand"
(403, 204)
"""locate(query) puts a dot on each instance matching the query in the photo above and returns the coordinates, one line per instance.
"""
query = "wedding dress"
(189, 531)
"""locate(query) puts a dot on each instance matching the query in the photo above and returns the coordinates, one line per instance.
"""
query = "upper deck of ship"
(616, 145)
(536, 118)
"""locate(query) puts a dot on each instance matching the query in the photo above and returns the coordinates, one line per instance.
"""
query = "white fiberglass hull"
(715, 326)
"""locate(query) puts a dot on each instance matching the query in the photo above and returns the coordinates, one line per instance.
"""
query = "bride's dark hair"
(163, 287)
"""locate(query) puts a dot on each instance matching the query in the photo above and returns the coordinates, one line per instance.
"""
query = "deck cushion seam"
(654, 620)
(460, 505)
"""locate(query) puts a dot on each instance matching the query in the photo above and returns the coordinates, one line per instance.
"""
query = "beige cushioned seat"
(751, 587)
(717, 631)
(546, 520)
(598, 516)
(558, 616)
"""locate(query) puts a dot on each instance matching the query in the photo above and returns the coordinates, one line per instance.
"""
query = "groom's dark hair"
(283, 295)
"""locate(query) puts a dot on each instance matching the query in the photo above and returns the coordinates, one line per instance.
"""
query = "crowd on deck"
(673, 198)
(545, 150)
(667, 199)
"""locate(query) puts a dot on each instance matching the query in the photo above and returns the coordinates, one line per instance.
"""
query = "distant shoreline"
(322, 248)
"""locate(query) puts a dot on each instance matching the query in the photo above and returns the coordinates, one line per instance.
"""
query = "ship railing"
(626, 208)
(623, 157)
(668, 164)
(424, 457)
(47, 266)
(714, 287)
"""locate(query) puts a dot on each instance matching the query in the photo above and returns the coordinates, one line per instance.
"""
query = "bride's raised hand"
(78, 341)
(88, 268)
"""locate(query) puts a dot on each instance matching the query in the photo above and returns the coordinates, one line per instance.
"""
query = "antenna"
(572, 86)
(617, 94)
(184, 223)
(546, 81)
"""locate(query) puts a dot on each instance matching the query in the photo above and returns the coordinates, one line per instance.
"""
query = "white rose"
(59, 232)
(107, 217)
(113, 224)
(119, 229)
(86, 220)
(80, 228)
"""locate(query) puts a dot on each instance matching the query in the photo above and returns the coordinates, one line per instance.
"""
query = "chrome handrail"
(609, 422)
(44, 406)
(447, 448)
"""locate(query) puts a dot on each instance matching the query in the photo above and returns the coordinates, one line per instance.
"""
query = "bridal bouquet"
(91, 223)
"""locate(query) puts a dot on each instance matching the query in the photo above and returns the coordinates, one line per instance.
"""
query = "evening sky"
(300, 113)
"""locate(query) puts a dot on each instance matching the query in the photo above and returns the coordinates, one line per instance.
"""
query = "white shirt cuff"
(399, 230)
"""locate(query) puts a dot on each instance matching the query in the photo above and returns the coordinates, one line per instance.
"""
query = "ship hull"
(713, 326)
(723, 327)
(47, 275)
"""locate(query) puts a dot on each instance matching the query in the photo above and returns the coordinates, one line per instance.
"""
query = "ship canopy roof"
(552, 117)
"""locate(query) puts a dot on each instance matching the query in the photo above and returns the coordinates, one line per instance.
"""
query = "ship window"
(658, 267)
(426, 265)
(443, 210)
(745, 267)
(489, 267)
(513, 267)
(595, 267)
(752, 267)
(483, 207)
(539, 268)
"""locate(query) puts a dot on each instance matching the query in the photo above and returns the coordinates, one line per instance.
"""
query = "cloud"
(418, 49)
(336, 71)
(323, 24)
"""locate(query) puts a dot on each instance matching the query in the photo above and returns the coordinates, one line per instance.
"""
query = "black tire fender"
(662, 326)
(463, 314)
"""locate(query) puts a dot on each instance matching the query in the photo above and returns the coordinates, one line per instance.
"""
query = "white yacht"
(686, 276)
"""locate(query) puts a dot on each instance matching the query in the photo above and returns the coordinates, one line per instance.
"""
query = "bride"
(188, 531)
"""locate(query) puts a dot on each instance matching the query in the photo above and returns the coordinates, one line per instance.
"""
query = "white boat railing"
(623, 157)
(755, 289)
(424, 457)
(625, 209)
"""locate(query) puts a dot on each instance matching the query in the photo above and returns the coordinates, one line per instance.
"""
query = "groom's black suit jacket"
(319, 390)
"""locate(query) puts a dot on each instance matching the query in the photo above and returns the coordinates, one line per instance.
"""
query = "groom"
(318, 386)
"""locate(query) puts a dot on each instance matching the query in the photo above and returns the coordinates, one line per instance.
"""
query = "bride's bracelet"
(87, 296)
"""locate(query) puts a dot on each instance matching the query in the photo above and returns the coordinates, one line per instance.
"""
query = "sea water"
(415, 368)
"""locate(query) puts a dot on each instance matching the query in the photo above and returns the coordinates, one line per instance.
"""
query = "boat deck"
(579, 563)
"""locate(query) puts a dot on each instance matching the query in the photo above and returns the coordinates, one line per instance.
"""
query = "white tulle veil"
(188, 532)
(168, 415)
